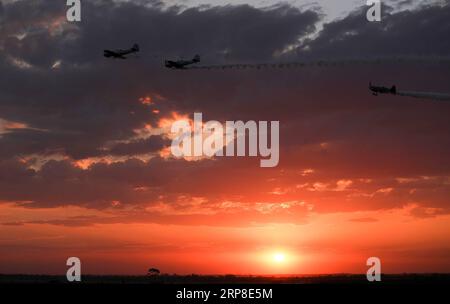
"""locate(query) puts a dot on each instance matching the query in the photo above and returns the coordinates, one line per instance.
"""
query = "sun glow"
(279, 257)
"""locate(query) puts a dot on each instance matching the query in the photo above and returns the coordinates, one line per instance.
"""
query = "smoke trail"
(324, 63)
(426, 95)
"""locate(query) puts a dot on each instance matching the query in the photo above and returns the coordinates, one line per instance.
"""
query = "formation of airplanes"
(184, 64)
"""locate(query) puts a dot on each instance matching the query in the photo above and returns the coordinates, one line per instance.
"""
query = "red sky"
(85, 168)
(339, 242)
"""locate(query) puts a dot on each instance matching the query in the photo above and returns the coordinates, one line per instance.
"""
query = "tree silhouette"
(153, 272)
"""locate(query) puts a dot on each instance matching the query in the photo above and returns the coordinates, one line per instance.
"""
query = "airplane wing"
(173, 64)
(181, 64)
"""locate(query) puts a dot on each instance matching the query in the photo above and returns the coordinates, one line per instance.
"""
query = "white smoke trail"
(426, 95)
(324, 63)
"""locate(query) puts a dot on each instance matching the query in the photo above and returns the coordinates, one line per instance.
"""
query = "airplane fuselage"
(118, 53)
(181, 64)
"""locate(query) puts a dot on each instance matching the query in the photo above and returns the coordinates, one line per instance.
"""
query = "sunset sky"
(85, 165)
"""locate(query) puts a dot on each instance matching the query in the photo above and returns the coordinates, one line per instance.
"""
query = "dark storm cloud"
(329, 121)
(230, 32)
(421, 32)
(90, 100)
(71, 185)
(130, 187)
(34, 18)
(240, 32)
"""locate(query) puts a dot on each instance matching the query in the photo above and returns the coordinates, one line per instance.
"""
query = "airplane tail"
(135, 47)
(196, 58)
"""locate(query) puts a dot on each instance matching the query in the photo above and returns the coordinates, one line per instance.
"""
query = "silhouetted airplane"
(382, 90)
(181, 64)
(121, 53)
